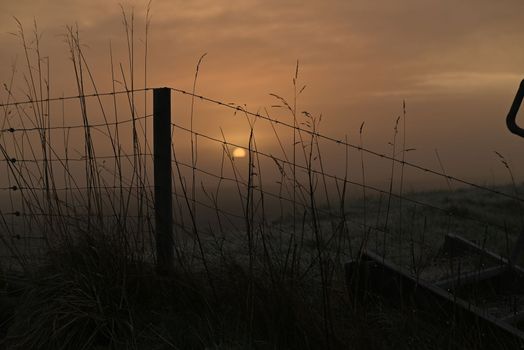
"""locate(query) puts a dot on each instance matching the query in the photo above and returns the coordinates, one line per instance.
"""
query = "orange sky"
(456, 63)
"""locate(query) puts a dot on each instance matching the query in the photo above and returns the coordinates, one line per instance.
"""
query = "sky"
(456, 64)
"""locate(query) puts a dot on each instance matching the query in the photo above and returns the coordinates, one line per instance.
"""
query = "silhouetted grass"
(259, 282)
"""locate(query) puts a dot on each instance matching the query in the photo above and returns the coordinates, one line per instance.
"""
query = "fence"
(265, 184)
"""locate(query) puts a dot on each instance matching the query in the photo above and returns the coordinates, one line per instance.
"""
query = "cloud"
(467, 81)
(357, 57)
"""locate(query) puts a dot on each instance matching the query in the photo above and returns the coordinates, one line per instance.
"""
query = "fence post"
(162, 177)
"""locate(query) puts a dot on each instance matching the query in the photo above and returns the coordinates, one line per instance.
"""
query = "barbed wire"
(81, 159)
(62, 215)
(239, 108)
(330, 176)
(78, 126)
(236, 108)
(306, 206)
(75, 97)
(242, 218)
(81, 188)
(344, 143)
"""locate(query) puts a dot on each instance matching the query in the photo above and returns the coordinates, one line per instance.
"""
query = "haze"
(457, 65)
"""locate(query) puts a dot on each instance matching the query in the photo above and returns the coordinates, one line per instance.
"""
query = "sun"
(239, 153)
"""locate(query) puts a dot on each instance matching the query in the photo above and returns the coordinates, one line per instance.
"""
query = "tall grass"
(244, 280)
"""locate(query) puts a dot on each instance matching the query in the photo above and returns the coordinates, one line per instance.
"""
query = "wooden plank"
(513, 318)
(373, 274)
(471, 277)
(458, 245)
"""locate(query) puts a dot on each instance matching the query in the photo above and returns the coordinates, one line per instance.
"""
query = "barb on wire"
(18, 157)
(78, 126)
(73, 97)
(81, 159)
(344, 143)
(336, 178)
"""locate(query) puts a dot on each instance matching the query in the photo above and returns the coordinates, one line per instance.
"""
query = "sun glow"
(239, 153)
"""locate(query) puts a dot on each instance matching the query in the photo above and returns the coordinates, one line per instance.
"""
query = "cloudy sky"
(457, 64)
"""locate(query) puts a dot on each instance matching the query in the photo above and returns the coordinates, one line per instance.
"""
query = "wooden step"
(467, 278)
(513, 318)
(374, 274)
(457, 245)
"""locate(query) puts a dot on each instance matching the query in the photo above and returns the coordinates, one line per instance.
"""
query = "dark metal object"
(512, 115)
(162, 177)
(514, 128)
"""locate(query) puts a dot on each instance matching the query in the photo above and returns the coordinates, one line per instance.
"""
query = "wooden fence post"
(162, 177)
